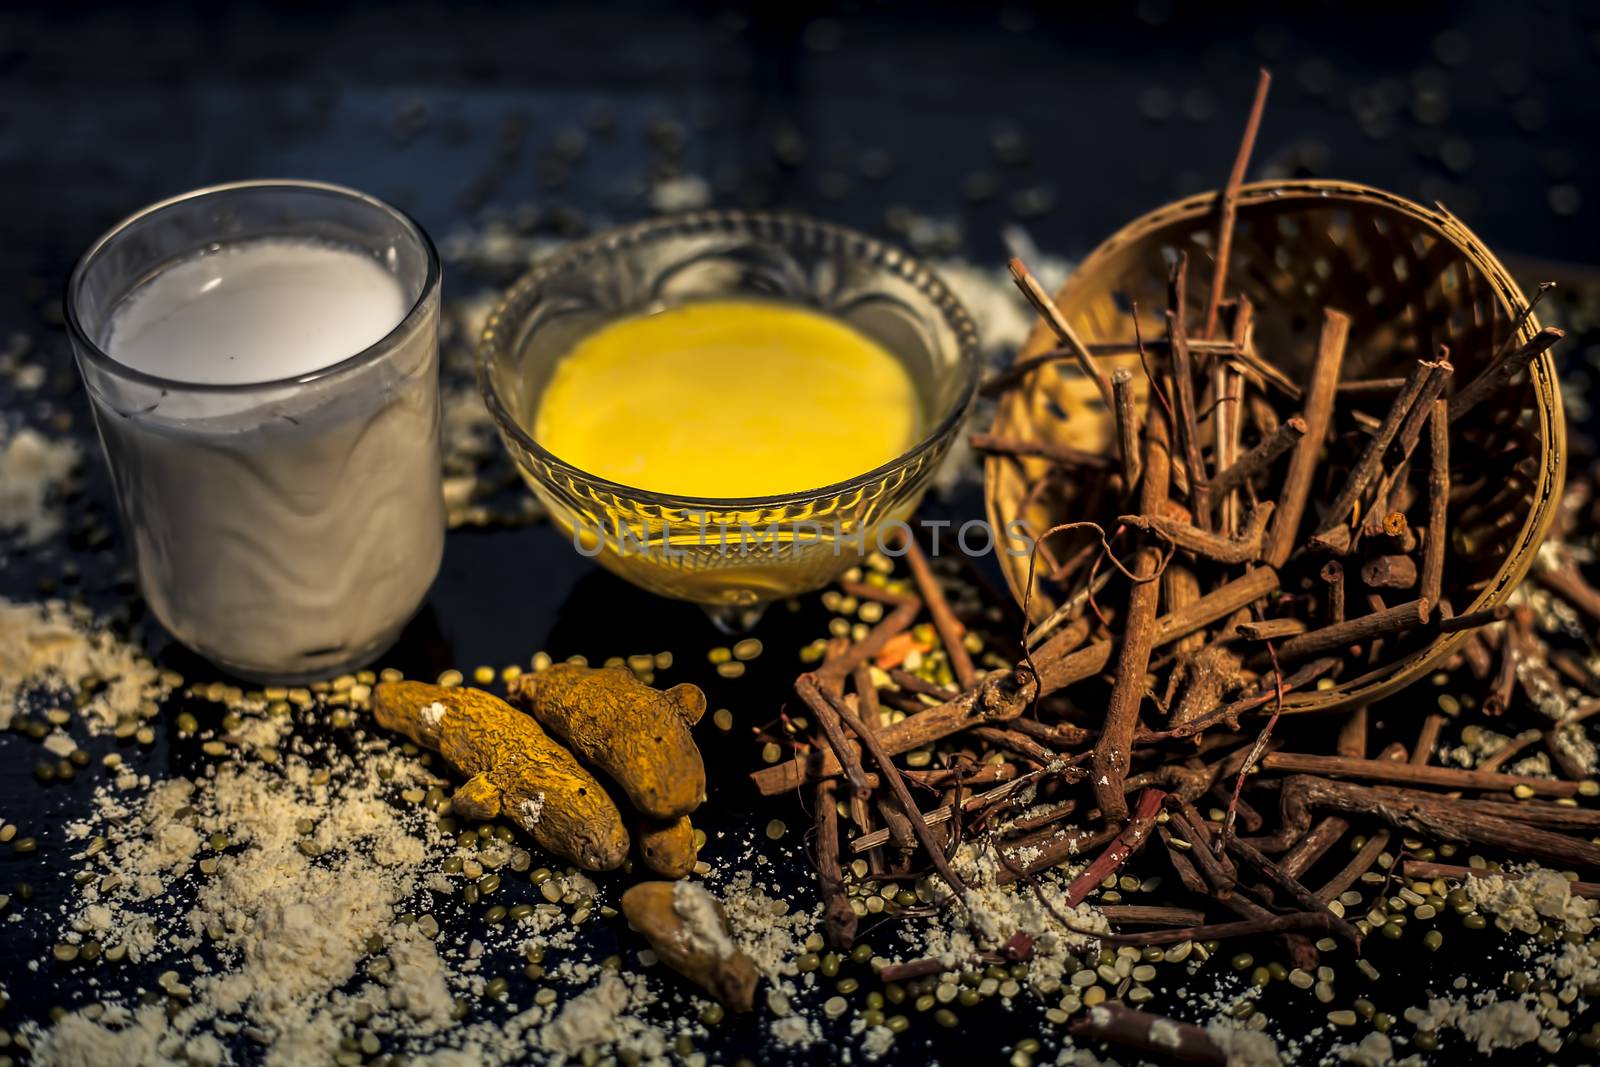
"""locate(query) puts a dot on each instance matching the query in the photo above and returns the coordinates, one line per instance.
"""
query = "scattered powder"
(1477, 745)
(702, 920)
(1165, 1032)
(1244, 1048)
(146, 845)
(321, 861)
(993, 913)
(1078, 1056)
(1524, 904)
(32, 469)
(298, 917)
(796, 1031)
(1544, 689)
(877, 1041)
(434, 713)
(137, 1039)
(772, 934)
(1500, 1025)
(603, 1017)
(1534, 766)
(317, 863)
(419, 984)
(1573, 742)
(533, 807)
(53, 647)
(1373, 1050)
(765, 927)
(1496, 1024)
(588, 1018)
(1573, 970)
(1551, 613)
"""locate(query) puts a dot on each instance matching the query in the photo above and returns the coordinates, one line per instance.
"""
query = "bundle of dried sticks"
(1214, 526)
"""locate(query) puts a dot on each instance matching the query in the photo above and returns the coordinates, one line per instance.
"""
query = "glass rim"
(88, 347)
(950, 307)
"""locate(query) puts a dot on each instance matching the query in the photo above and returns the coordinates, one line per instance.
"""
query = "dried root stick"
(637, 735)
(513, 768)
(689, 931)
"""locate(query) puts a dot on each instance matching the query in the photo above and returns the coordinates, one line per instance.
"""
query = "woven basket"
(1409, 277)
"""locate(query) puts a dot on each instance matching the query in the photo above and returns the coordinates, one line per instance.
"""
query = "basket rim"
(1389, 678)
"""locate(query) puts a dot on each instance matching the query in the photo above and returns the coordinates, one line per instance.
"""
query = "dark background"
(1081, 115)
(1067, 119)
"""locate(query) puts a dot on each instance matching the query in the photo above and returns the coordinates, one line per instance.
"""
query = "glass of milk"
(263, 362)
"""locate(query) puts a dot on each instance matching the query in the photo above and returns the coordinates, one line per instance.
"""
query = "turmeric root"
(689, 931)
(637, 735)
(668, 848)
(513, 767)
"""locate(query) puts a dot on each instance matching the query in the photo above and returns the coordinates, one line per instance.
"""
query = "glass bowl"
(730, 555)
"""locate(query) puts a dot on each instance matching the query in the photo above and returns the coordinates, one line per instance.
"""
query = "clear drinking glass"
(286, 529)
(730, 555)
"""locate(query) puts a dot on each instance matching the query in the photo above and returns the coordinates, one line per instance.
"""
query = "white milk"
(257, 311)
(283, 531)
